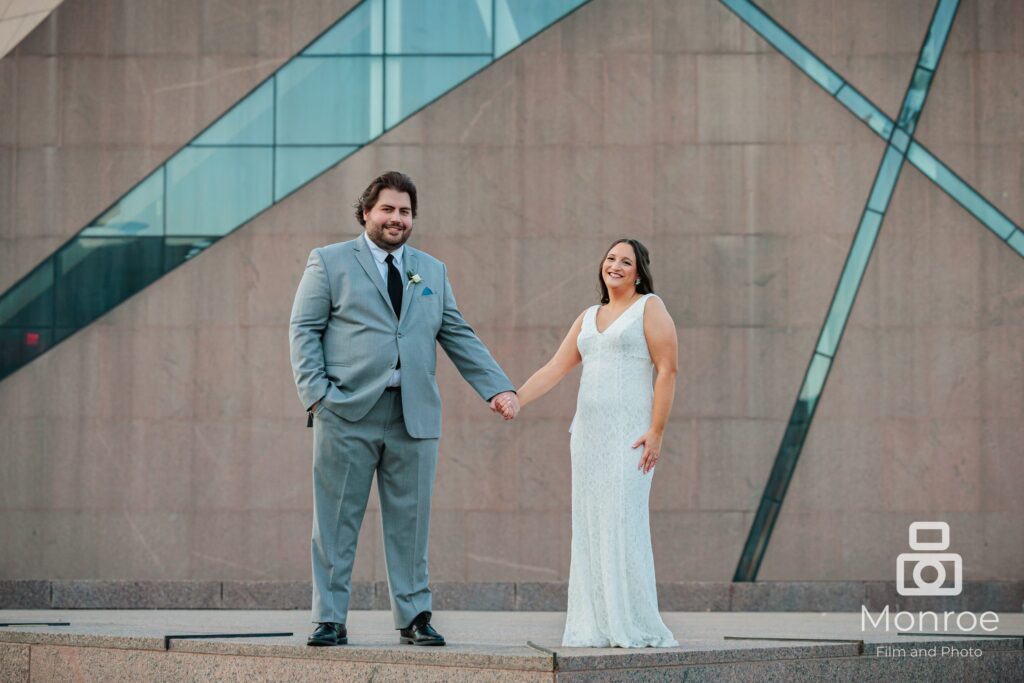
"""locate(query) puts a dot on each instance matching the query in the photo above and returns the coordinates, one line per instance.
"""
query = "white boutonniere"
(414, 278)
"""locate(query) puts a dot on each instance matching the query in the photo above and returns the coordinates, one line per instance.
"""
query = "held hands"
(651, 441)
(507, 404)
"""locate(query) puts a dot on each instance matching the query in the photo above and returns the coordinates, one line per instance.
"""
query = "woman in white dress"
(612, 595)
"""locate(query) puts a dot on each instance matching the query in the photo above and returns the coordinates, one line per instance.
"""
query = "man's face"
(389, 222)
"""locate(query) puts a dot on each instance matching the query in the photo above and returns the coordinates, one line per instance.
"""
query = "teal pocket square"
(426, 291)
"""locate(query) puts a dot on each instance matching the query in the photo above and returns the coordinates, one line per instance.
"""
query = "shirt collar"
(379, 255)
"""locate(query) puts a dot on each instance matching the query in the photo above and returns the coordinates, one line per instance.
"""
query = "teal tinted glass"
(413, 82)
(1017, 241)
(19, 345)
(781, 40)
(938, 32)
(330, 101)
(810, 392)
(900, 139)
(211, 190)
(295, 166)
(361, 31)
(960, 191)
(138, 213)
(418, 27)
(177, 250)
(30, 302)
(250, 122)
(849, 282)
(914, 100)
(864, 110)
(94, 274)
(318, 108)
(518, 20)
(885, 181)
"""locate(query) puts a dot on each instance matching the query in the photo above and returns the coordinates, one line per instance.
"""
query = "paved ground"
(469, 631)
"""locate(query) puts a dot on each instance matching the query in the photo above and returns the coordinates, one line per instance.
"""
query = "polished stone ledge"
(528, 596)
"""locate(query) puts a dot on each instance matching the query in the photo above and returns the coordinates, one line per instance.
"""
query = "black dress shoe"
(329, 633)
(420, 632)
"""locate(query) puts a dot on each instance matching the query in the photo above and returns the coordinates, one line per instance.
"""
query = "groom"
(364, 327)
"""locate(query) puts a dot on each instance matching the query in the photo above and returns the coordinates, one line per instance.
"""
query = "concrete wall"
(165, 440)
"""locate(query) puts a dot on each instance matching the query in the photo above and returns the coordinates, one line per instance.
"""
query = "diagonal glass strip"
(873, 117)
(914, 101)
(888, 172)
(849, 282)
(846, 293)
(376, 66)
(785, 43)
(960, 191)
(1016, 241)
(865, 110)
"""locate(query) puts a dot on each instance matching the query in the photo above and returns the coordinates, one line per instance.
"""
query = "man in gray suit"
(366, 320)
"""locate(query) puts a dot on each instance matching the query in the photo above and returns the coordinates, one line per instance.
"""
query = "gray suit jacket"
(346, 339)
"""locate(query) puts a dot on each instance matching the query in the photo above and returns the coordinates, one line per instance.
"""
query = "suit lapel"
(410, 290)
(365, 259)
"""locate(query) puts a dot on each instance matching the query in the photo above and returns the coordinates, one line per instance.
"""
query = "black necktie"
(394, 285)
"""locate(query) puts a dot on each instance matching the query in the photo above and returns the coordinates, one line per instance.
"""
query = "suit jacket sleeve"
(310, 313)
(474, 362)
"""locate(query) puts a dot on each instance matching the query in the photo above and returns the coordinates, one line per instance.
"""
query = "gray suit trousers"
(346, 456)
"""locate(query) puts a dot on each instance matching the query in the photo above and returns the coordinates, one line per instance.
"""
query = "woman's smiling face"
(619, 268)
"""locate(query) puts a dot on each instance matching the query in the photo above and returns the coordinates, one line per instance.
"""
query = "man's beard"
(379, 236)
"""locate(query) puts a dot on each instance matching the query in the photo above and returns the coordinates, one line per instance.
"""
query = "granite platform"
(134, 645)
(527, 596)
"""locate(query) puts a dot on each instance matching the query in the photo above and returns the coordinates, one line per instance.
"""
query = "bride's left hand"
(651, 441)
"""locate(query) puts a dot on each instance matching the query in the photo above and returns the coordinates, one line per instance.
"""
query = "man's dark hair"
(392, 180)
(643, 269)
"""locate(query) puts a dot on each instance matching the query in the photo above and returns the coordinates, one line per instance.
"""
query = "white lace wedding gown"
(613, 601)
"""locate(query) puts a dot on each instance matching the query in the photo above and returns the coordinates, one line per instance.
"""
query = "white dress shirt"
(379, 256)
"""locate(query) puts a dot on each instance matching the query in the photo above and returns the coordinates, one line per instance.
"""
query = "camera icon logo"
(925, 560)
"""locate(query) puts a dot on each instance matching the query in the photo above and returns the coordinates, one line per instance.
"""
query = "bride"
(612, 596)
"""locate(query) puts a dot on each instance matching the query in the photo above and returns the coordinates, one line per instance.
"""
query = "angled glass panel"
(864, 110)
(138, 213)
(94, 274)
(250, 122)
(938, 32)
(914, 100)
(516, 21)
(213, 190)
(329, 101)
(414, 82)
(849, 282)
(900, 140)
(757, 540)
(295, 166)
(781, 40)
(383, 61)
(885, 181)
(30, 302)
(18, 346)
(961, 192)
(415, 27)
(1017, 242)
(361, 31)
(814, 382)
(177, 250)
